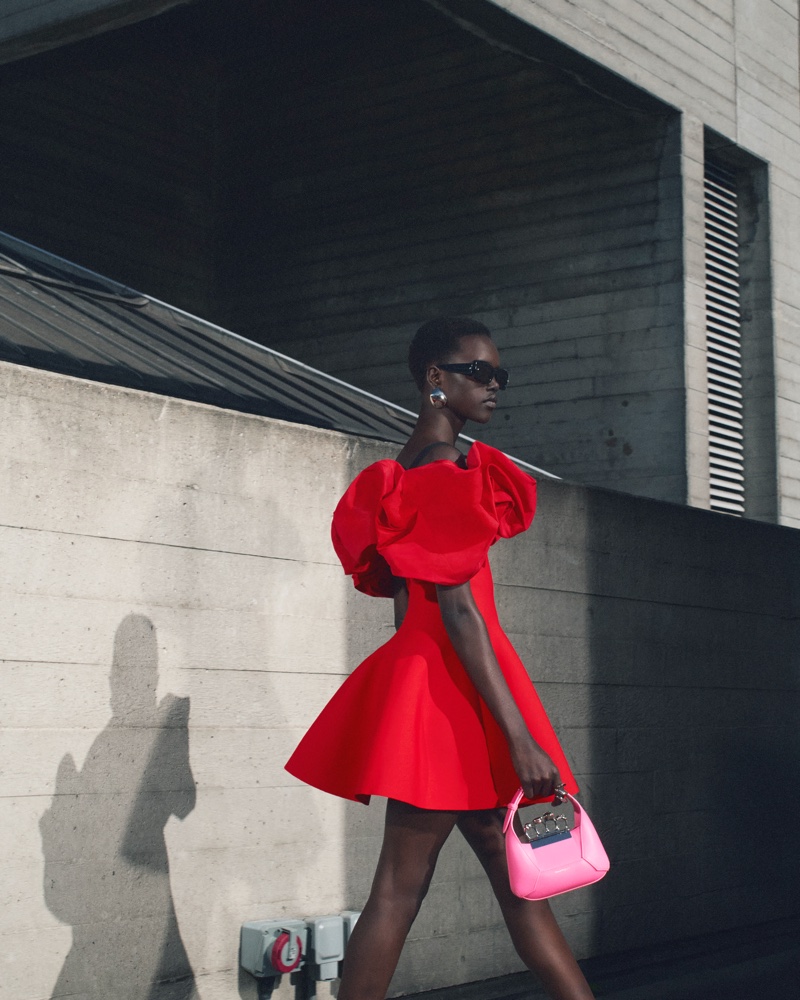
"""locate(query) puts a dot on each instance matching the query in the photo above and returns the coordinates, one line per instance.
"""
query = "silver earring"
(438, 399)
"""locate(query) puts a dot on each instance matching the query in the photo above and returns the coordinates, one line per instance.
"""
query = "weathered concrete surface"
(734, 67)
(173, 617)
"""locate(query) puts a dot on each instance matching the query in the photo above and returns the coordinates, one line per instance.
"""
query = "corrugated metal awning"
(63, 318)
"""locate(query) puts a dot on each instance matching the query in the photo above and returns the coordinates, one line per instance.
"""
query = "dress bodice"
(435, 522)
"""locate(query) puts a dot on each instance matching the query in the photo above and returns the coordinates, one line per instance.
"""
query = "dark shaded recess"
(323, 177)
(76, 27)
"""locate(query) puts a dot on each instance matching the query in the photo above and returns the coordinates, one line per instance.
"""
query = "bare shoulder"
(438, 452)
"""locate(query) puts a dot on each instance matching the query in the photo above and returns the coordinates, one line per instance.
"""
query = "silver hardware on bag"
(545, 826)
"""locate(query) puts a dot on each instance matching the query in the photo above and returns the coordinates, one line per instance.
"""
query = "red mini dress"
(408, 723)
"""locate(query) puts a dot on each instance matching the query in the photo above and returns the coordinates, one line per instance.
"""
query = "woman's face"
(467, 398)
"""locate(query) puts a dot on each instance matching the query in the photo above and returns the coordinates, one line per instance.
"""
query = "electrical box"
(273, 947)
(326, 945)
(350, 918)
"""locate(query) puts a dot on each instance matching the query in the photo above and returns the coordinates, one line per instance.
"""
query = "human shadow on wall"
(106, 868)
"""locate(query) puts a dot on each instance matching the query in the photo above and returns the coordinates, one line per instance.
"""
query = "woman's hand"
(537, 773)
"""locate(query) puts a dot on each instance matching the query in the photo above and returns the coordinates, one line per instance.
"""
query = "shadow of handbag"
(557, 860)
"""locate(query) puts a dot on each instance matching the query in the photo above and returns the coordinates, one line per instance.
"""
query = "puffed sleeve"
(439, 520)
(354, 528)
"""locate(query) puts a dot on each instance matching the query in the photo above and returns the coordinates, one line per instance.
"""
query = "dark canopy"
(63, 318)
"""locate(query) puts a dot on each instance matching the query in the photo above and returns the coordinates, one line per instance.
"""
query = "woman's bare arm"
(467, 630)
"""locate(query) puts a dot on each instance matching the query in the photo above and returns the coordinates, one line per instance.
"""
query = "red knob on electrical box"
(286, 952)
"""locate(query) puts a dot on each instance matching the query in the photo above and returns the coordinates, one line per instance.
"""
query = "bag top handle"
(513, 806)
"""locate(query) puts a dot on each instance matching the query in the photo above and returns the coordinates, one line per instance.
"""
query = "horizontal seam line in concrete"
(54, 663)
(166, 545)
(678, 685)
(284, 673)
(650, 600)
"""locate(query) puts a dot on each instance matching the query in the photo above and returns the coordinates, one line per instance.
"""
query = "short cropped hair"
(437, 340)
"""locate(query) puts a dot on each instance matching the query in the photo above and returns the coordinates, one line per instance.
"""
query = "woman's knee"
(402, 888)
(398, 890)
(412, 841)
(483, 831)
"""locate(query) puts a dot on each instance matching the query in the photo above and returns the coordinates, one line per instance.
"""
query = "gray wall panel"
(663, 641)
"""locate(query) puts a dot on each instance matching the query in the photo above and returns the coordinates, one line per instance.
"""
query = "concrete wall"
(403, 168)
(375, 164)
(323, 189)
(173, 617)
(734, 67)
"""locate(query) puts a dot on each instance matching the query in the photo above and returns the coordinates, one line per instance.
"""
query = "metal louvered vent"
(724, 342)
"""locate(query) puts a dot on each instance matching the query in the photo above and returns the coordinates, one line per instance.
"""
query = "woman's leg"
(412, 840)
(533, 928)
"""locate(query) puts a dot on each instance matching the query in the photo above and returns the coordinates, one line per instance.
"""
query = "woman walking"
(443, 719)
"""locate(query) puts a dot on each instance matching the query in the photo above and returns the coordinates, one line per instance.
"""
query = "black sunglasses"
(480, 371)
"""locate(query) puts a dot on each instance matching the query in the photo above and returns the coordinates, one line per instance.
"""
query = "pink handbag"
(556, 859)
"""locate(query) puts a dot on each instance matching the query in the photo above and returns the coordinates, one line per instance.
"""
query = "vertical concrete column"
(689, 141)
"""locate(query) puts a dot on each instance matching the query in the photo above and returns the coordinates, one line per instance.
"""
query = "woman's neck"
(434, 426)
